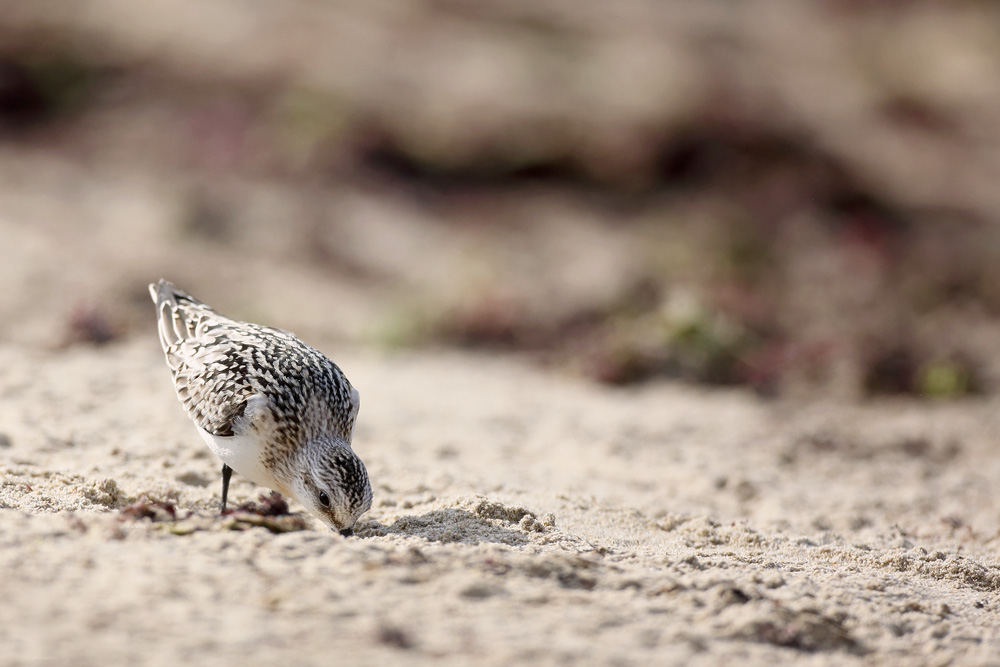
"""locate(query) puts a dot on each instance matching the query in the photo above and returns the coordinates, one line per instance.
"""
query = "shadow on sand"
(446, 526)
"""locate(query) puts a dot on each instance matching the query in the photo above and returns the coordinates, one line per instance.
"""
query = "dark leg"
(227, 473)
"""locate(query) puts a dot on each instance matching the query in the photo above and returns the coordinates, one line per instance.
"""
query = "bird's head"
(334, 486)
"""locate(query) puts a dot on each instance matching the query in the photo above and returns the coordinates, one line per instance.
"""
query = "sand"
(520, 515)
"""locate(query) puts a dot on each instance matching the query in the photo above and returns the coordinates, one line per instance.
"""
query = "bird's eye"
(324, 499)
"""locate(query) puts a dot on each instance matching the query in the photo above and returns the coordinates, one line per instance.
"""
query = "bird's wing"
(355, 405)
(205, 357)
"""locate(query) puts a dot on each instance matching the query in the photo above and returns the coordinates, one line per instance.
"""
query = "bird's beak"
(347, 532)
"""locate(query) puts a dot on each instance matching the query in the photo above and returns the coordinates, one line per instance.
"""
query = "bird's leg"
(227, 473)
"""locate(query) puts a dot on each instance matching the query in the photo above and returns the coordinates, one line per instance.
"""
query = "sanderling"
(274, 409)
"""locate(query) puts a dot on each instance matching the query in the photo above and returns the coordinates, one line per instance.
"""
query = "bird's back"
(219, 364)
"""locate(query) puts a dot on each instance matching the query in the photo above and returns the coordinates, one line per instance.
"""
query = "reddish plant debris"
(271, 512)
(270, 505)
(154, 510)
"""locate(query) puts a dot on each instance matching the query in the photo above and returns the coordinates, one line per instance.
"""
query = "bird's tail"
(177, 313)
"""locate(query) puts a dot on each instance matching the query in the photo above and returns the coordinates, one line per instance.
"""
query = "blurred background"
(795, 197)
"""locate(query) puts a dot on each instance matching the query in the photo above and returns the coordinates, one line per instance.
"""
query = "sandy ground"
(518, 516)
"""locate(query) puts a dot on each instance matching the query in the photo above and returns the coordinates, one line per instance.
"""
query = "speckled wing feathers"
(219, 364)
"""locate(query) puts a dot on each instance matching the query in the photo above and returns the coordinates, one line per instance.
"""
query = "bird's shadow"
(448, 525)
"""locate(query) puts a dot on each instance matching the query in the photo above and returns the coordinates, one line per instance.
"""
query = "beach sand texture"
(520, 516)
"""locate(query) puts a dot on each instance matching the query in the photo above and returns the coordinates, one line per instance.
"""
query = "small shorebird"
(274, 409)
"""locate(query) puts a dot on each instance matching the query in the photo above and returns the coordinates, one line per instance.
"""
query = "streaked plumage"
(274, 409)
